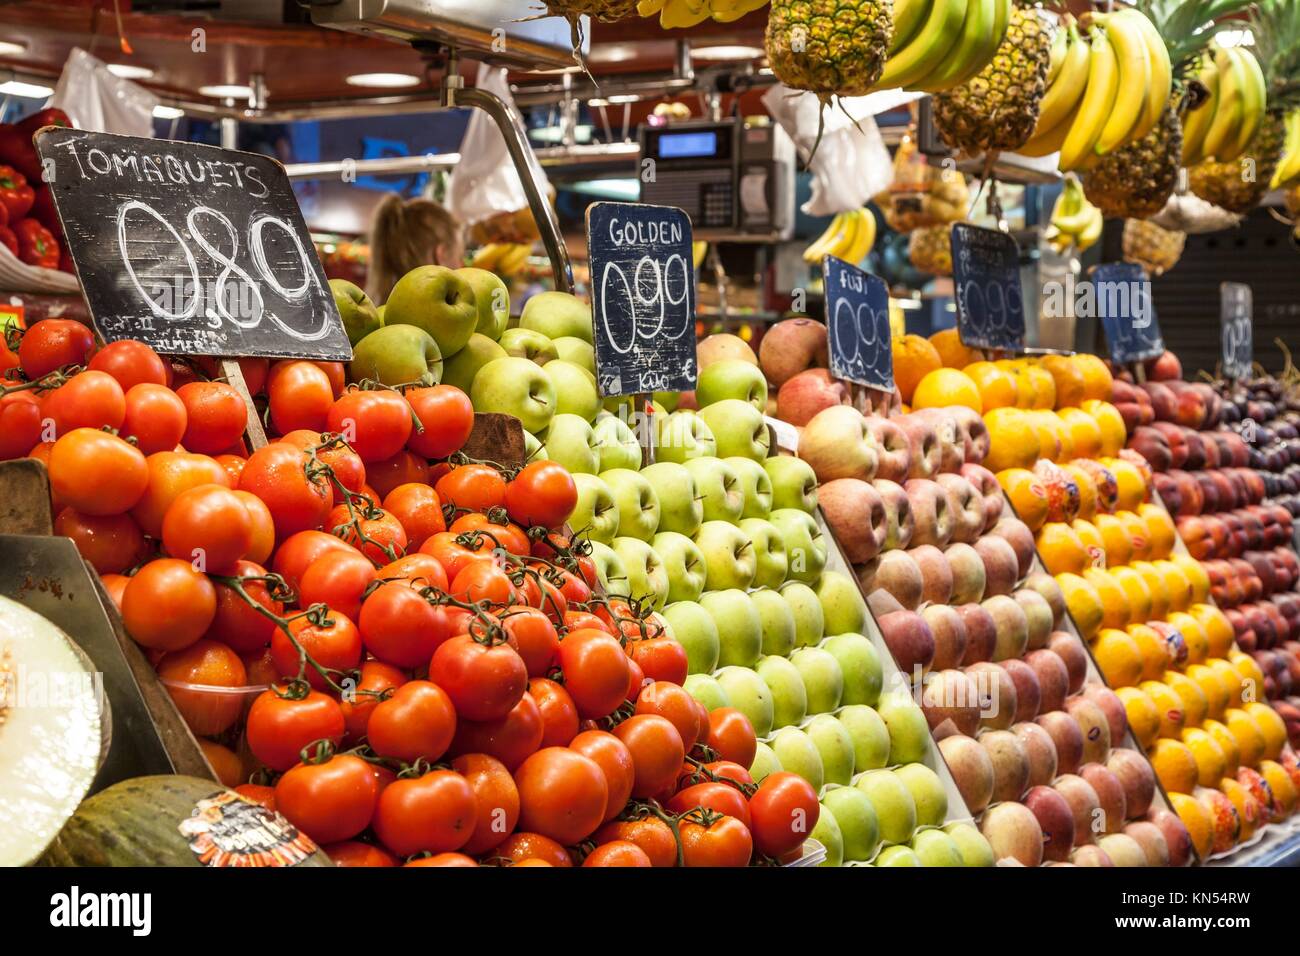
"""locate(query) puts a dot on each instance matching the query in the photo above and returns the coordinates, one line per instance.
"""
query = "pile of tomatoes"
(446, 683)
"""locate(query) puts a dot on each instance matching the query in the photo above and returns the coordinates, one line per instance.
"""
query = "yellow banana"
(648, 8)
(1134, 80)
(1074, 213)
(1064, 95)
(1197, 123)
(930, 46)
(1161, 85)
(852, 226)
(1228, 112)
(1001, 18)
(972, 47)
(1288, 167)
(487, 256)
(679, 14)
(908, 17)
(737, 10)
(1060, 41)
(698, 251)
(865, 238)
(1098, 100)
(1254, 92)
(818, 247)
(1091, 232)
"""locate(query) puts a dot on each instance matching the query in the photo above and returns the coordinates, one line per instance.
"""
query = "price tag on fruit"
(857, 325)
(1122, 296)
(191, 248)
(986, 280)
(642, 298)
(1236, 313)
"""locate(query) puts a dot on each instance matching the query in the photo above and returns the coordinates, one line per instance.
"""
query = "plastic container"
(209, 710)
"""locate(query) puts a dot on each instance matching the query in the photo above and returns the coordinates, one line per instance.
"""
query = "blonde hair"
(404, 234)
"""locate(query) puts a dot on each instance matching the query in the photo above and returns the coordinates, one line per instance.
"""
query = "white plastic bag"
(852, 163)
(95, 99)
(484, 182)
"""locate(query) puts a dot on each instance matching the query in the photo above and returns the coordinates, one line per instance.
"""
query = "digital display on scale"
(688, 145)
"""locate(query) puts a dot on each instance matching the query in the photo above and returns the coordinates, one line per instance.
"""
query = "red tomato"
(585, 621)
(595, 671)
(724, 842)
(657, 751)
(20, 424)
(399, 626)
(111, 543)
(559, 714)
(210, 526)
(652, 835)
(731, 736)
(446, 419)
(562, 794)
(520, 847)
(87, 400)
(335, 645)
(496, 799)
(216, 416)
(278, 728)
(539, 644)
(52, 344)
(404, 468)
(379, 535)
(614, 760)
(453, 553)
(235, 623)
(277, 474)
(154, 416)
(263, 539)
(255, 371)
(670, 701)
(508, 536)
(721, 797)
(376, 678)
(418, 720)
(443, 859)
(131, 363)
(617, 853)
(418, 508)
(329, 801)
(298, 551)
(207, 664)
(355, 853)
(422, 570)
(661, 659)
(300, 397)
(115, 585)
(375, 423)
(433, 813)
(485, 681)
(337, 578)
(510, 739)
(346, 464)
(635, 681)
(260, 668)
(543, 494)
(168, 605)
(784, 810)
(233, 465)
(731, 773)
(169, 474)
(259, 794)
(473, 488)
(483, 581)
(97, 473)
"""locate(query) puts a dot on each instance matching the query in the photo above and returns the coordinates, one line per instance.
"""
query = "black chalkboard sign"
(191, 248)
(1236, 312)
(857, 325)
(986, 278)
(642, 298)
(1122, 295)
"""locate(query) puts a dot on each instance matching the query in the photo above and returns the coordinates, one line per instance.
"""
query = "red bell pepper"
(43, 118)
(8, 239)
(37, 245)
(65, 261)
(15, 195)
(43, 211)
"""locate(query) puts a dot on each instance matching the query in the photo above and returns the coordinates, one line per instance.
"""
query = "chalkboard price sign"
(986, 278)
(191, 248)
(1122, 293)
(857, 325)
(1236, 310)
(642, 298)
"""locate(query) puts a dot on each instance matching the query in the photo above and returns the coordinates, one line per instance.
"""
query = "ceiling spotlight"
(167, 112)
(226, 91)
(390, 81)
(129, 71)
(726, 52)
(30, 90)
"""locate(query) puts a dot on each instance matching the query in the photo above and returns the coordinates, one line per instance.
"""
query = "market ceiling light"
(227, 91)
(9, 48)
(32, 90)
(726, 52)
(390, 81)
(623, 98)
(129, 71)
(167, 112)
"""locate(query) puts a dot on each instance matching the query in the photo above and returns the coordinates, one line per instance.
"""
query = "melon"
(54, 731)
(178, 821)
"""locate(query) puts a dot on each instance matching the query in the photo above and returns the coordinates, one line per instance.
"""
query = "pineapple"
(1137, 180)
(930, 249)
(1152, 247)
(998, 108)
(829, 47)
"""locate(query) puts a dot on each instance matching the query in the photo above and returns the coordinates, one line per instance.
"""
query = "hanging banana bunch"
(679, 14)
(939, 44)
(1076, 223)
(850, 237)
(1221, 127)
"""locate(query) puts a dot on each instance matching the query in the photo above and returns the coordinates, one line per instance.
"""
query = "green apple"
(669, 400)
(638, 505)
(533, 448)
(809, 626)
(798, 755)
(515, 386)
(694, 629)
(738, 429)
(570, 441)
(575, 350)
(765, 762)
(936, 848)
(822, 678)
(595, 515)
(794, 485)
(870, 736)
(680, 507)
(525, 343)
(718, 488)
(832, 740)
(754, 485)
(379, 310)
(732, 379)
(897, 856)
(909, 734)
(492, 299)
(805, 547)
(842, 606)
(730, 560)
(827, 832)
(359, 315)
(647, 578)
(684, 563)
(974, 849)
(617, 443)
(397, 355)
(928, 793)
(682, 436)
(610, 570)
(436, 299)
(740, 631)
(575, 389)
(789, 700)
(769, 550)
(863, 673)
(892, 802)
(777, 619)
(557, 314)
(856, 817)
(749, 695)
(461, 368)
(706, 689)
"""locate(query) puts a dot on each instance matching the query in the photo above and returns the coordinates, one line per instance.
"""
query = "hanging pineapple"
(1153, 248)
(930, 249)
(829, 47)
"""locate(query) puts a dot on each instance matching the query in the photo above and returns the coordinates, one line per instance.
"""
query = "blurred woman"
(407, 233)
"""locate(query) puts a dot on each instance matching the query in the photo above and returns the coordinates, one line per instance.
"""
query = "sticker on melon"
(54, 731)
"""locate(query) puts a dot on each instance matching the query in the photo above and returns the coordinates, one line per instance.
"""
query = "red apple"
(856, 516)
(801, 397)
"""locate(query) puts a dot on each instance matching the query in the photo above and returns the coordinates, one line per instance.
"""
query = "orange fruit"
(1132, 488)
(1068, 377)
(1271, 725)
(1087, 489)
(1085, 433)
(1092, 542)
(1250, 739)
(1027, 494)
(1232, 680)
(1195, 574)
(1213, 687)
(1227, 742)
(1118, 657)
(1111, 424)
(1083, 603)
(1048, 431)
(1114, 601)
(1158, 587)
(1285, 795)
(1143, 715)
(1061, 550)
(1172, 716)
(1138, 539)
(1216, 626)
(1251, 676)
(1198, 645)
(1174, 765)
(1044, 387)
(1197, 819)
(1154, 649)
(914, 358)
(947, 343)
(1136, 590)
(1211, 764)
(1195, 703)
(1097, 380)
(946, 386)
(1248, 808)
(1179, 588)
(1160, 530)
(1025, 389)
(997, 387)
(1013, 442)
(1225, 817)
(1115, 539)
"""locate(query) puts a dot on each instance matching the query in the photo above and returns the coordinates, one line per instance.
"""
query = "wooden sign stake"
(254, 434)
